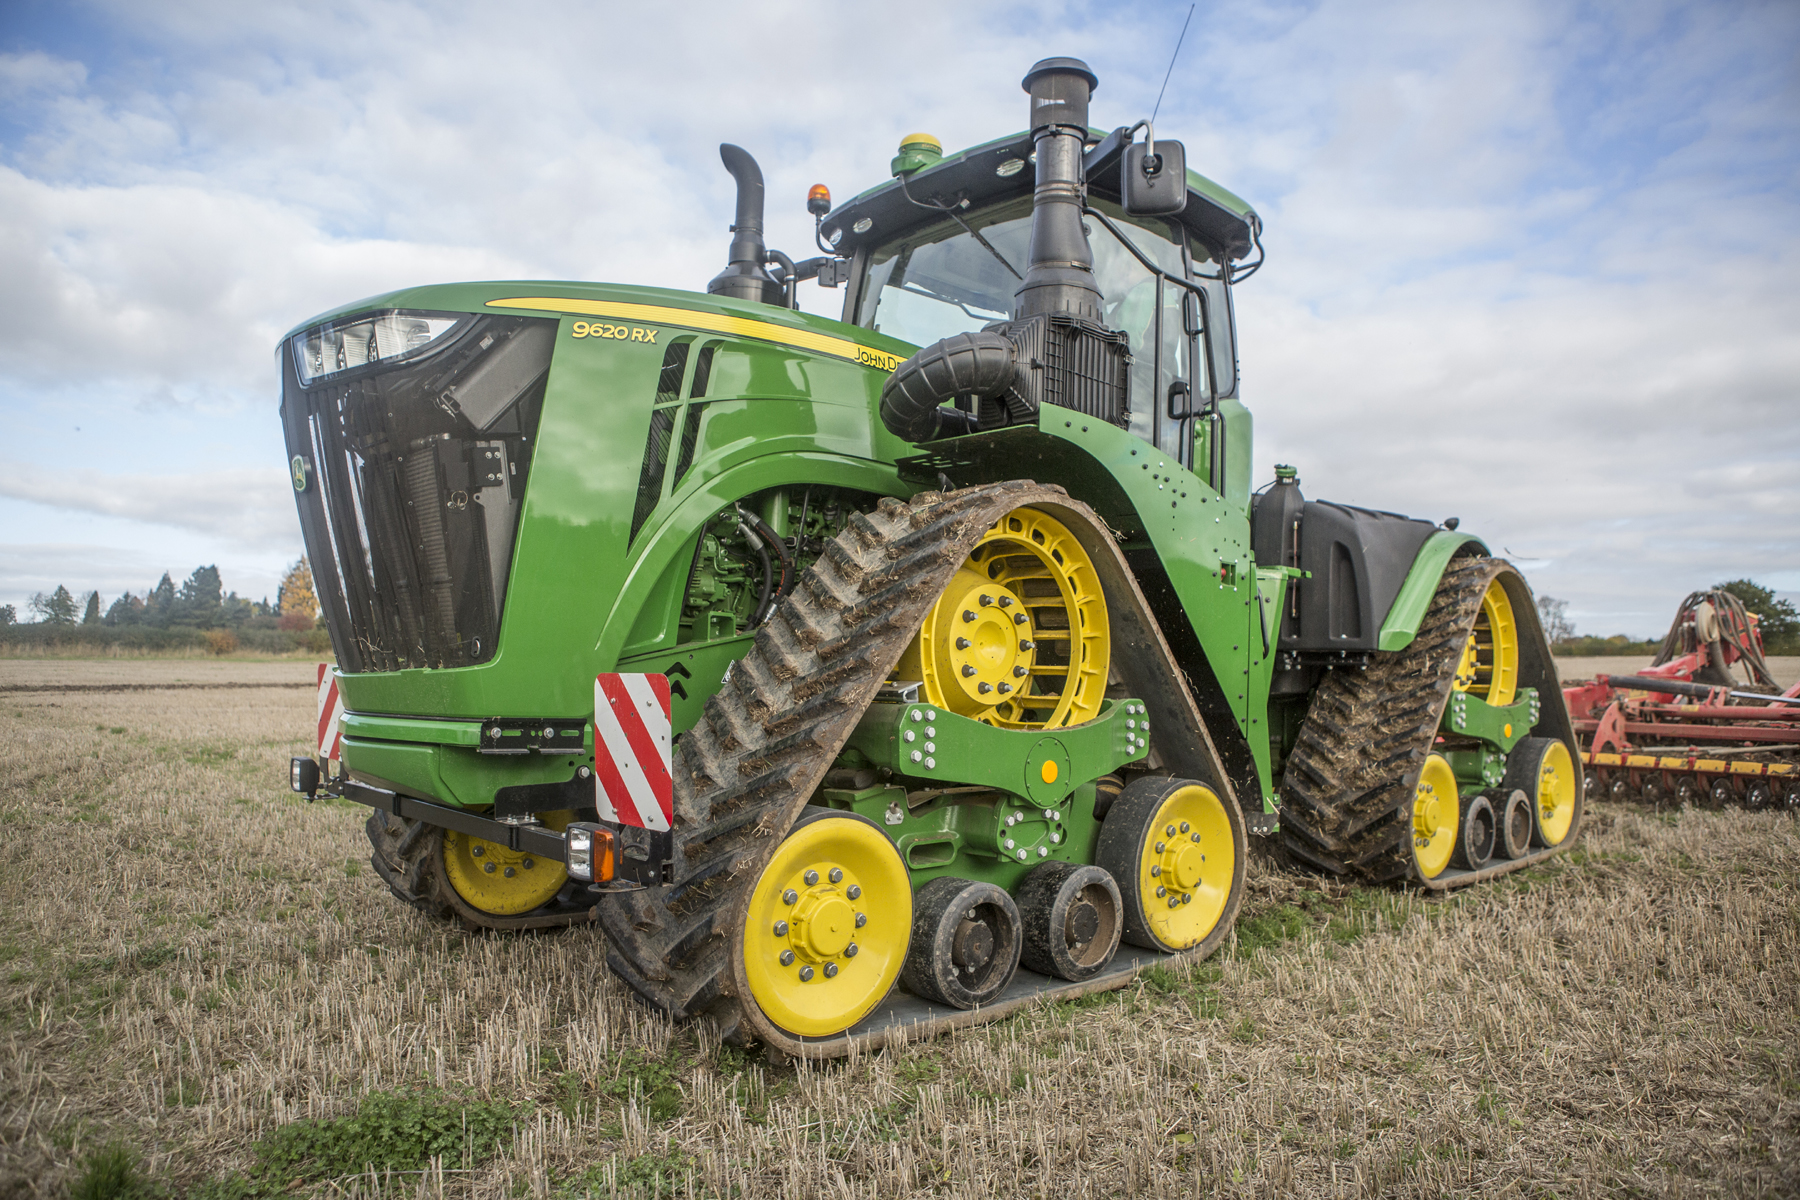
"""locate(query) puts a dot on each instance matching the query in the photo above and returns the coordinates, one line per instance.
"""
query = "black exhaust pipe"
(744, 276)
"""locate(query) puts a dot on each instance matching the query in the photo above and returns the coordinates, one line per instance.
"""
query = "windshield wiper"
(951, 210)
(916, 290)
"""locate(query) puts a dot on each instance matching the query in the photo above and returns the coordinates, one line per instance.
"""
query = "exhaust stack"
(744, 277)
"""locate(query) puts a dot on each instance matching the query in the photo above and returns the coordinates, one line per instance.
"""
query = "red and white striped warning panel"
(633, 750)
(331, 714)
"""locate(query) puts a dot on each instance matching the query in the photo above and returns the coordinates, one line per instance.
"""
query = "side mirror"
(1180, 388)
(1154, 185)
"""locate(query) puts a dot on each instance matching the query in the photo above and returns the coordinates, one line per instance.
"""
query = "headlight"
(590, 850)
(303, 775)
(353, 342)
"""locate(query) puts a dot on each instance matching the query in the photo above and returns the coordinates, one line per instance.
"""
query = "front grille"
(414, 475)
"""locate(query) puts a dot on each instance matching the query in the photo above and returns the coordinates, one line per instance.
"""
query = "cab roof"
(986, 173)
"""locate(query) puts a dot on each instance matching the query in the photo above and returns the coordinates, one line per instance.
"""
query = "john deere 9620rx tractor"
(976, 654)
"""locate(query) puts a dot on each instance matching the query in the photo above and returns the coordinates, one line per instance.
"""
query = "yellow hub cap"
(1436, 811)
(1556, 793)
(504, 883)
(827, 927)
(1490, 659)
(1020, 638)
(1185, 867)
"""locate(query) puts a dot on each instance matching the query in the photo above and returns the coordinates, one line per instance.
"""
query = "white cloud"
(246, 507)
(1529, 266)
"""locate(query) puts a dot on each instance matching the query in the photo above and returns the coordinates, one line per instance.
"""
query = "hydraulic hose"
(759, 531)
(977, 364)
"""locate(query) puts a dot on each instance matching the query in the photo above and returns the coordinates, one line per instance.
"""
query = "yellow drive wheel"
(1020, 637)
(826, 931)
(1436, 815)
(1171, 848)
(1544, 770)
(1490, 658)
(501, 882)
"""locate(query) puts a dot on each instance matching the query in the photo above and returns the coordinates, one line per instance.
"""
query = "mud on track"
(190, 957)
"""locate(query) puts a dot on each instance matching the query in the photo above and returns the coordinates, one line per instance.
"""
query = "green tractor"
(862, 678)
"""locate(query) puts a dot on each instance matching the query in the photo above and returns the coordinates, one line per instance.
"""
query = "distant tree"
(126, 610)
(8, 615)
(200, 598)
(296, 602)
(92, 615)
(1554, 614)
(58, 608)
(1780, 621)
(159, 602)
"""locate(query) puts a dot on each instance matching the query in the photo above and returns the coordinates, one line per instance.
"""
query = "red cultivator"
(1689, 729)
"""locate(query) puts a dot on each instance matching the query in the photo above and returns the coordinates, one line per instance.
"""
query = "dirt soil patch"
(199, 975)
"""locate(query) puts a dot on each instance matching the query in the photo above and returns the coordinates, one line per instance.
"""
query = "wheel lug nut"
(830, 970)
(1005, 688)
(1187, 897)
(854, 892)
(986, 599)
(862, 919)
(528, 864)
(1026, 644)
(811, 878)
(1185, 827)
(787, 958)
(806, 974)
(1196, 837)
(1019, 618)
(967, 670)
(851, 949)
(984, 688)
(1161, 891)
(836, 876)
(1173, 902)
(789, 896)
(489, 868)
(968, 614)
(1156, 871)
(962, 643)
(1170, 831)
(1160, 847)
(1006, 602)
(781, 928)
(1019, 672)
(510, 872)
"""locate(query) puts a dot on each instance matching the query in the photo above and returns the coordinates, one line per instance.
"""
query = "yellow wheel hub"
(1556, 793)
(504, 883)
(1436, 812)
(1020, 637)
(1185, 867)
(827, 927)
(1490, 659)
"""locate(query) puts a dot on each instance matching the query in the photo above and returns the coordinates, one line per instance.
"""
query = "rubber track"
(746, 769)
(1347, 792)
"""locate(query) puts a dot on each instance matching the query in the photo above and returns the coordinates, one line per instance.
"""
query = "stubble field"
(199, 975)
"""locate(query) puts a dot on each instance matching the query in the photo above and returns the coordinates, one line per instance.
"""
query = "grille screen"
(415, 478)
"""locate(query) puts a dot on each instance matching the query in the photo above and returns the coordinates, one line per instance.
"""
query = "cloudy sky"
(1533, 265)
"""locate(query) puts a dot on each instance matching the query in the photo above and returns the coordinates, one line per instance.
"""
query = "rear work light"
(380, 337)
(303, 776)
(590, 847)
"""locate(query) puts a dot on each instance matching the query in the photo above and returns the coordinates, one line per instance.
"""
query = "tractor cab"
(945, 247)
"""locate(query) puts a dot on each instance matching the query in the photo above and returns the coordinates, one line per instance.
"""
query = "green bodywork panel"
(1401, 624)
(969, 800)
(1501, 727)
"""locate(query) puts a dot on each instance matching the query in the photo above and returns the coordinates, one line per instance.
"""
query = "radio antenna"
(1171, 70)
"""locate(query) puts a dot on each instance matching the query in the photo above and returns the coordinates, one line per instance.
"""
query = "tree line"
(199, 603)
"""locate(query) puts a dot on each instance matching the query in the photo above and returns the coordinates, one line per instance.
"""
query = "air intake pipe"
(1060, 278)
(1057, 302)
(744, 276)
